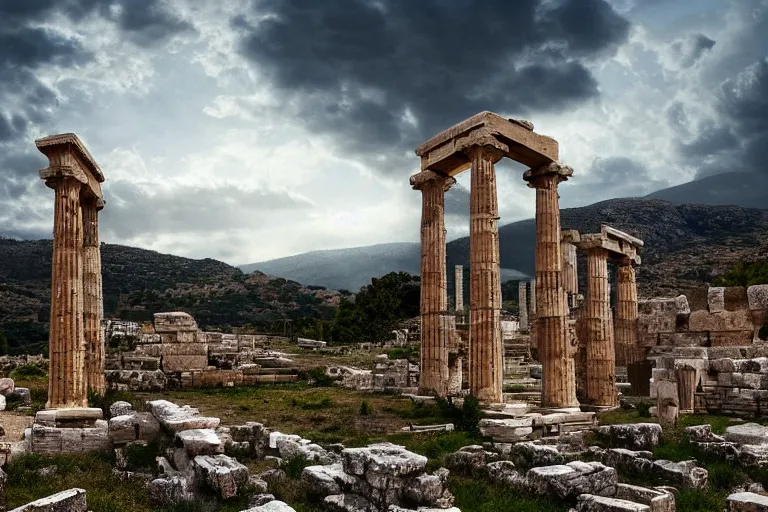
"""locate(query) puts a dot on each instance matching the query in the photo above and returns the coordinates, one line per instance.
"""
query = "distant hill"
(138, 283)
(685, 246)
(746, 189)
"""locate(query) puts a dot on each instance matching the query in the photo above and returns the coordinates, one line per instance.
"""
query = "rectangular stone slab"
(525, 146)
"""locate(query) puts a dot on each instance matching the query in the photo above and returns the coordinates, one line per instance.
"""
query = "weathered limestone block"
(184, 363)
(72, 500)
(685, 473)
(702, 434)
(592, 503)
(174, 489)
(7, 386)
(173, 322)
(716, 299)
(684, 339)
(289, 448)
(731, 338)
(727, 451)
(24, 394)
(272, 506)
(133, 427)
(382, 461)
(625, 460)
(531, 454)
(747, 433)
(470, 460)
(658, 501)
(199, 442)
(328, 480)
(722, 365)
(120, 408)
(348, 503)
(55, 440)
(633, 436)
(504, 472)
(175, 418)
(506, 430)
(223, 474)
(747, 502)
(739, 320)
(425, 490)
(573, 479)
(753, 456)
(757, 297)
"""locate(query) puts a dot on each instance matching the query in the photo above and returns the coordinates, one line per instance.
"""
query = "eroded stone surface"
(176, 419)
(747, 433)
(272, 506)
(747, 502)
(573, 479)
(592, 503)
(72, 500)
(223, 474)
(470, 460)
(199, 442)
(633, 436)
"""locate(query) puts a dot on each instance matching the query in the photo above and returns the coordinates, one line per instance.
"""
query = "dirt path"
(14, 425)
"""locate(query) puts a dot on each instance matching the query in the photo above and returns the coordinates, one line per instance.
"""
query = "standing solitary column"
(522, 300)
(486, 360)
(601, 358)
(556, 351)
(434, 295)
(66, 349)
(626, 315)
(570, 265)
(92, 296)
(459, 289)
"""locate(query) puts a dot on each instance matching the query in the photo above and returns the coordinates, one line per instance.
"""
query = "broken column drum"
(478, 143)
(434, 298)
(76, 297)
(555, 345)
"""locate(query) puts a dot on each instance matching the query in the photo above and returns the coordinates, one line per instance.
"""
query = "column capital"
(57, 173)
(482, 139)
(419, 180)
(548, 176)
(624, 261)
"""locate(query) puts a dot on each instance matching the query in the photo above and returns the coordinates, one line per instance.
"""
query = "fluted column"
(601, 359)
(92, 298)
(570, 265)
(66, 383)
(434, 375)
(458, 273)
(522, 300)
(627, 351)
(555, 347)
(486, 358)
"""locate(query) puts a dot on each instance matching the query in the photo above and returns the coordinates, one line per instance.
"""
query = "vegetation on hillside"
(378, 308)
(745, 274)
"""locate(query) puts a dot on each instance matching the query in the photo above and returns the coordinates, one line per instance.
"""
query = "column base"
(75, 430)
(75, 417)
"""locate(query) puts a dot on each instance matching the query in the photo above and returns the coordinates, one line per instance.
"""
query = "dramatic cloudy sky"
(248, 130)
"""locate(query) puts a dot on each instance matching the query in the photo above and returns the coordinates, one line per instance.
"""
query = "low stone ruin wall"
(387, 375)
(175, 354)
(709, 317)
(10, 363)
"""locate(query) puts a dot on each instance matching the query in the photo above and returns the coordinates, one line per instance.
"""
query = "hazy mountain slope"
(343, 268)
(746, 189)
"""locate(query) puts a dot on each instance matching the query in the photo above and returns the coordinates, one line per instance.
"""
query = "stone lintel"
(68, 157)
(56, 143)
(616, 249)
(570, 236)
(620, 235)
(418, 180)
(445, 151)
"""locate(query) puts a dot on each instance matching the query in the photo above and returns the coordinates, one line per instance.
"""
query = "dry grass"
(325, 415)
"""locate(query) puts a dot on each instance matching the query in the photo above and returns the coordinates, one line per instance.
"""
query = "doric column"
(434, 294)
(555, 347)
(601, 359)
(459, 289)
(627, 351)
(92, 297)
(486, 359)
(522, 300)
(66, 349)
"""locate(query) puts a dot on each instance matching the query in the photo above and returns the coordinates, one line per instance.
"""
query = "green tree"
(745, 274)
(347, 324)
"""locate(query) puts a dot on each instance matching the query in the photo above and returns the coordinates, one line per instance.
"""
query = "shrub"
(365, 408)
(294, 466)
(317, 377)
(30, 371)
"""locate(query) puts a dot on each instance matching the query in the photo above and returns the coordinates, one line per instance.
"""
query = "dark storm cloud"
(457, 201)
(689, 50)
(26, 48)
(357, 67)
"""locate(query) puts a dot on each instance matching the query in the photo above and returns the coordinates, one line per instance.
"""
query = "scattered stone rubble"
(387, 375)
(175, 353)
